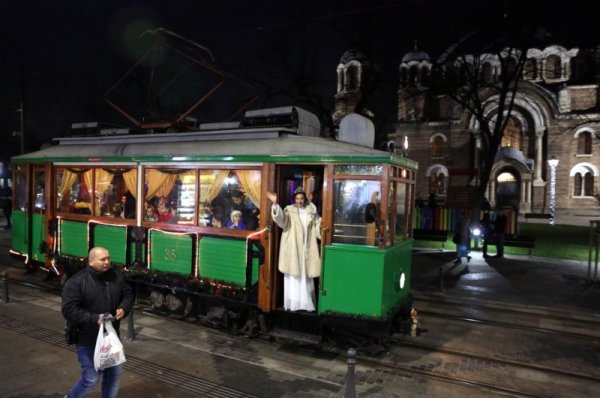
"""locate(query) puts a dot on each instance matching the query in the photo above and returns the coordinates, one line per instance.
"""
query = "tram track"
(393, 363)
(498, 361)
(495, 306)
(457, 312)
(473, 384)
(438, 371)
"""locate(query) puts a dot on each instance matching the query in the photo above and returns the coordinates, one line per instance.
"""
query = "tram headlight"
(476, 232)
(402, 280)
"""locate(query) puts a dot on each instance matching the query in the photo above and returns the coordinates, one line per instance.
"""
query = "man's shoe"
(468, 258)
(457, 261)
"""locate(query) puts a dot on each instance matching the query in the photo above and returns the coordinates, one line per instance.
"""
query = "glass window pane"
(358, 170)
(39, 188)
(402, 195)
(113, 198)
(223, 192)
(20, 191)
(186, 197)
(172, 195)
(73, 195)
(350, 202)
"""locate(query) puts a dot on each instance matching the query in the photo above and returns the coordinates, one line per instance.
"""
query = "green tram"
(105, 190)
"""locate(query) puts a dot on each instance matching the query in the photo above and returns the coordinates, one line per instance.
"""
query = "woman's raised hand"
(272, 197)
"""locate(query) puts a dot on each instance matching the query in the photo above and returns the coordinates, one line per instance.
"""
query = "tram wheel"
(173, 303)
(157, 299)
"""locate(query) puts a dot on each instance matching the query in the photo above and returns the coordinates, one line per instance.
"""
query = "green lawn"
(559, 241)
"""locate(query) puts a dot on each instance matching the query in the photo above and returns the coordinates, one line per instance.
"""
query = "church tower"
(415, 77)
(352, 73)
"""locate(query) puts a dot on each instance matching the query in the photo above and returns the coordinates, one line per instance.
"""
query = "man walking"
(94, 291)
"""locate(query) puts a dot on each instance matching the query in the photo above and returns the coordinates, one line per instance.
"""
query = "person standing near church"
(299, 257)
(87, 296)
(499, 231)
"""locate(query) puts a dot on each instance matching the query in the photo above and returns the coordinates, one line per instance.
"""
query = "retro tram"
(160, 204)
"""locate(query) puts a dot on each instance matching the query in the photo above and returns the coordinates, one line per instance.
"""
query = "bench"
(544, 216)
(431, 235)
(527, 242)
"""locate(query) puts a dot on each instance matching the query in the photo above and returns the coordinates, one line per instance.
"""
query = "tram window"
(350, 202)
(73, 194)
(225, 191)
(402, 196)
(39, 188)
(20, 191)
(171, 194)
(112, 189)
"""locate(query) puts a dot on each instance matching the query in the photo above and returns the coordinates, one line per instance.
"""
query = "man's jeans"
(90, 377)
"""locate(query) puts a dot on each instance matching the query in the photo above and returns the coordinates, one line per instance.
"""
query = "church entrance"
(508, 189)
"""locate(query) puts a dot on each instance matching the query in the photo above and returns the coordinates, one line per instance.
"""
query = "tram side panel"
(20, 242)
(171, 252)
(28, 234)
(73, 238)
(111, 237)
(365, 281)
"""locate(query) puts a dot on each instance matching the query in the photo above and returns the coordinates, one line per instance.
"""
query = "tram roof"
(266, 144)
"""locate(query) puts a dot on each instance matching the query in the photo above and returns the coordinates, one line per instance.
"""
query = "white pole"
(553, 163)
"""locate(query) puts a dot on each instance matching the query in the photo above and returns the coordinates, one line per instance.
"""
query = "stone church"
(556, 118)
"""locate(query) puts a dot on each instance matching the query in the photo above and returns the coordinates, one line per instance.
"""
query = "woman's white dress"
(299, 291)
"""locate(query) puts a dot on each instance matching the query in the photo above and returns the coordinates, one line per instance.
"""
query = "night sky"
(60, 57)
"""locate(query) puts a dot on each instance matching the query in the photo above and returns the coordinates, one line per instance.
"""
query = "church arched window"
(413, 75)
(553, 67)
(577, 184)
(511, 67)
(403, 77)
(588, 184)
(352, 77)
(530, 69)
(438, 179)
(512, 135)
(464, 71)
(425, 76)
(437, 146)
(583, 176)
(486, 72)
(584, 143)
(437, 183)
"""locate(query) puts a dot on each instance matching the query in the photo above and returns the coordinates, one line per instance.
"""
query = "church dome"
(353, 55)
(415, 55)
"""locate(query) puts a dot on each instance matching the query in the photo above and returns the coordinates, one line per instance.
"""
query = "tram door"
(290, 178)
(37, 229)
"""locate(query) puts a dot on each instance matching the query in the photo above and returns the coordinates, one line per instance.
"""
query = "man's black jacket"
(90, 293)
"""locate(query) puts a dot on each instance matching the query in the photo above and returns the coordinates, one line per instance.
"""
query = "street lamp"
(553, 163)
(405, 146)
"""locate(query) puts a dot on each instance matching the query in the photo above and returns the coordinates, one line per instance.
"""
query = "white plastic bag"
(109, 349)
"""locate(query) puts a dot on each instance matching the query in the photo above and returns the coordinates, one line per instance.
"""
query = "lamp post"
(21, 133)
(553, 163)
(405, 146)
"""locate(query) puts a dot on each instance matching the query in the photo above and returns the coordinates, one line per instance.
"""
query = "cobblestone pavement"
(174, 359)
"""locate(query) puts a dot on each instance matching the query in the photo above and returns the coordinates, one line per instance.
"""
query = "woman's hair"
(300, 191)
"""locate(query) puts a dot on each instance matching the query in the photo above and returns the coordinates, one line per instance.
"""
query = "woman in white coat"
(299, 258)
